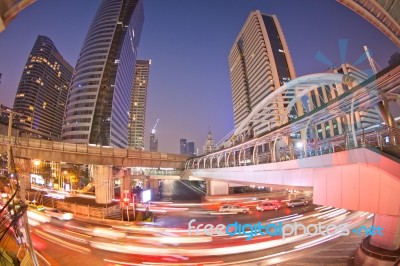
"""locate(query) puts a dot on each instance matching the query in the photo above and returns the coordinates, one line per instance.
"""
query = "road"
(97, 245)
(167, 242)
(177, 191)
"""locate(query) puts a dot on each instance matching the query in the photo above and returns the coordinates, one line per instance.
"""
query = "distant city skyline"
(187, 147)
(189, 88)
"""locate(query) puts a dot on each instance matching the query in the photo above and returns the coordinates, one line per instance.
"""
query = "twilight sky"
(189, 43)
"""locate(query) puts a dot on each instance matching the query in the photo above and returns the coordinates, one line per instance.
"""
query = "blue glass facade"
(99, 100)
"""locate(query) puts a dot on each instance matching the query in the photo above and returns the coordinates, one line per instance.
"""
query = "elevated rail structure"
(89, 154)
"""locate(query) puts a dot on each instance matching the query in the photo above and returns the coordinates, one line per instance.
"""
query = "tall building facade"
(183, 146)
(259, 63)
(137, 115)
(383, 14)
(187, 147)
(42, 91)
(339, 125)
(191, 148)
(98, 103)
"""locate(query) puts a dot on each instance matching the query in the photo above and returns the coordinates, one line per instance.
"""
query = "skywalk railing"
(381, 136)
(386, 138)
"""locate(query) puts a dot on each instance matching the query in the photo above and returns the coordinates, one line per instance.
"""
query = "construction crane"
(153, 131)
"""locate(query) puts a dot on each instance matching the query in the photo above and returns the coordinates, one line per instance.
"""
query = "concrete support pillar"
(390, 240)
(125, 182)
(155, 188)
(217, 188)
(291, 149)
(146, 183)
(24, 171)
(339, 125)
(271, 152)
(104, 185)
(385, 113)
(358, 120)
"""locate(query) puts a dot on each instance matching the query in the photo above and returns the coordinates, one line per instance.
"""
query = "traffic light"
(126, 201)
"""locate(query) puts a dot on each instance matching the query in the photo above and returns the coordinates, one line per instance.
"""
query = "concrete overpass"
(108, 162)
(46, 150)
(358, 179)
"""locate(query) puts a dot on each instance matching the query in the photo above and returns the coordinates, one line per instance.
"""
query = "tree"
(45, 171)
(79, 176)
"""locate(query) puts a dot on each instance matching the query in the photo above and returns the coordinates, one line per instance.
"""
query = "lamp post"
(62, 181)
(22, 188)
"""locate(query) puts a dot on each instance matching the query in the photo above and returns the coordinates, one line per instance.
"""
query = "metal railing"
(382, 137)
(386, 138)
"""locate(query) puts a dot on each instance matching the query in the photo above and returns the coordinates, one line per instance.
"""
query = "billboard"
(146, 195)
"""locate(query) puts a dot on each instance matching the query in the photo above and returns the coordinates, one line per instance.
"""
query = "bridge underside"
(359, 179)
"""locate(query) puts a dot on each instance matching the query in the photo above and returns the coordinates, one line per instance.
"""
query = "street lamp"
(62, 181)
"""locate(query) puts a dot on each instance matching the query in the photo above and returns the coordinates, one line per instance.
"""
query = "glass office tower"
(98, 103)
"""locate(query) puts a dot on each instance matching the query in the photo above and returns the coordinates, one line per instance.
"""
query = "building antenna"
(153, 131)
(371, 61)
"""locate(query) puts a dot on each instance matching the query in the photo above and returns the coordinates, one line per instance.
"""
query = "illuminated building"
(42, 91)
(340, 125)
(259, 63)
(98, 103)
(209, 145)
(137, 115)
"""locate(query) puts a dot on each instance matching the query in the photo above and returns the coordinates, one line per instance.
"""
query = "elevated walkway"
(358, 179)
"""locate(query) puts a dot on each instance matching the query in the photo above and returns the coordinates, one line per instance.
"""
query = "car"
(267, 206)
(234, 209)
(303, 198)
(296, 202)
(32, 204)
(60, 215)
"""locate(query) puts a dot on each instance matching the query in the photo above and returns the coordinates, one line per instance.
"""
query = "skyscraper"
(259, 63)
(153, 141)
(339, 125)
(183, 146)
(190, 148)
(42, 91)
(99, 100)
(137, 113)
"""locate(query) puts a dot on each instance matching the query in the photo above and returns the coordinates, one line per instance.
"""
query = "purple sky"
(189, 43)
